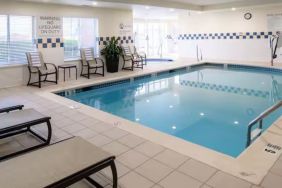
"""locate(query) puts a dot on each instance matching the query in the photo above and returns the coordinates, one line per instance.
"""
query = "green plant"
(112, 49)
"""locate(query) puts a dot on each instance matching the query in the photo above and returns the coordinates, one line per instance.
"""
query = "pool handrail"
(259, 119)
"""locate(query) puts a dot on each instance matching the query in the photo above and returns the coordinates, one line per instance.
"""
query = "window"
(16, 38)
(79, 33)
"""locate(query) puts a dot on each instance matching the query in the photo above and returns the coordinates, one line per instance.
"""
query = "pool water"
(210, 106)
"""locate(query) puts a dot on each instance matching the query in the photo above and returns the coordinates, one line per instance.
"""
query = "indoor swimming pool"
(210, 105)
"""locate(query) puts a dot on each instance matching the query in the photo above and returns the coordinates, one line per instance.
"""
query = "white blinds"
(3, 40)
(16, 38)
(79, 33)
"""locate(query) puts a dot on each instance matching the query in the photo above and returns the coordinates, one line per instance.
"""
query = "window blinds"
(16, 38)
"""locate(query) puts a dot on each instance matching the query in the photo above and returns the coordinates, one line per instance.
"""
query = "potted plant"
(112, 51)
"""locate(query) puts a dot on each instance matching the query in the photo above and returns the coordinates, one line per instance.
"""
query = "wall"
(109, 22)
(245, 46)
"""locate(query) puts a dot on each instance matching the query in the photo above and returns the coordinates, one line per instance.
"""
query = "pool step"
(255, 133)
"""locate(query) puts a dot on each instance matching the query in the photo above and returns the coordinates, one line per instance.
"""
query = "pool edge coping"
(124, 124)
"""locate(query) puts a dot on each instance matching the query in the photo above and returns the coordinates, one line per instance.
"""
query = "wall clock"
(248, 16)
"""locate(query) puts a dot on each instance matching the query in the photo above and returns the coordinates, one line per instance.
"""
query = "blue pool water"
(207, 105)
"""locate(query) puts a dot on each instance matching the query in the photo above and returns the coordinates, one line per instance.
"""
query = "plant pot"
(112, 63)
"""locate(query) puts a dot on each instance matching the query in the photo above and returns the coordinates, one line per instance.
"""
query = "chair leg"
(81, 70)
(39, 80)
(56, 75)
(88, 73)
(114, 173)
(103, 70)
(28, 83)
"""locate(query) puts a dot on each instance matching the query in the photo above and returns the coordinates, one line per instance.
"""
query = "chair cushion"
(48, 165)
(19, 117)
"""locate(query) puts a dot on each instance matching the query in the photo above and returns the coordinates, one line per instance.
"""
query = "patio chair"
(36, 65)
(134, 60)
(4, 108)
(22, 121)
(58, 165)
(89, 62)
(141, 54)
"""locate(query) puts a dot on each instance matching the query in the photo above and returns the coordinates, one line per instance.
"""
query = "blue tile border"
(122, 40)
(53, 43)
(226, 36)
(248, 67)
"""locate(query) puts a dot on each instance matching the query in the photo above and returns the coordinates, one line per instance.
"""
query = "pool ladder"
(253, 134)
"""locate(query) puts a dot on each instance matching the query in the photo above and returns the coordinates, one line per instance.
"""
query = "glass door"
(151, 37)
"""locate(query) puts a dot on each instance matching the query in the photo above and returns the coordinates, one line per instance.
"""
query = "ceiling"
(202, 5)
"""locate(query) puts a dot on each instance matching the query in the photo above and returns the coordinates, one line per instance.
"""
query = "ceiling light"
(94, 3)
(233, 8)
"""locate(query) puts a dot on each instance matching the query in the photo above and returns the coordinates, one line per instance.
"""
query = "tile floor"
(140, 163)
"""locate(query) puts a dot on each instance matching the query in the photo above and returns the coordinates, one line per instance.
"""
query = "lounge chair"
(141, 54)
(18, 122)
(7, 109)
(56, 166)
(36, 65)
(135, 61)
(89, 62)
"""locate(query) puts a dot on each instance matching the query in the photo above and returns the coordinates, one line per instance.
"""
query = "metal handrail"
(260, 120)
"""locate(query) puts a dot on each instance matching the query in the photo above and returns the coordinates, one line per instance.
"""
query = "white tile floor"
(140, 163)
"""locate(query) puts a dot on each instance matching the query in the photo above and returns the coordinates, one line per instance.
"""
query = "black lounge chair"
(7, 109)
(134, 60)
(18, 122)
(89, 62)
(56, 166)
(36, 65)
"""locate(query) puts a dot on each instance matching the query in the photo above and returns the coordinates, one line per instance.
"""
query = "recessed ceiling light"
(233, 9)
(94, 3)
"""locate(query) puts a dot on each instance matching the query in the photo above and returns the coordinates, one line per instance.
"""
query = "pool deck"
(145, 157)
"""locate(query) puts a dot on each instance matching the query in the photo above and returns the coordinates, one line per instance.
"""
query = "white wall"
(109, 21)
(252, 50)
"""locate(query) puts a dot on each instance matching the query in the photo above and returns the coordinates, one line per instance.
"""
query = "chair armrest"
(11, 108)
(142, 54)
(99, 59)
(53, 65)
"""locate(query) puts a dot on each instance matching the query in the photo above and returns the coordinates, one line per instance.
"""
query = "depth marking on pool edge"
(272, 149)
